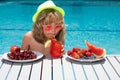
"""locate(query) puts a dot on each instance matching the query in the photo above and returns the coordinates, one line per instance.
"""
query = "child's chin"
(52, 37)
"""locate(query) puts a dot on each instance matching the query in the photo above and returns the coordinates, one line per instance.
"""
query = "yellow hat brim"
(60, 10)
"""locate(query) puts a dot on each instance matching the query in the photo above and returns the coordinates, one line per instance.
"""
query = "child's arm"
(25, 42)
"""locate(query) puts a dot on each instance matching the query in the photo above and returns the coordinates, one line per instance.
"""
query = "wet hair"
(48, 16)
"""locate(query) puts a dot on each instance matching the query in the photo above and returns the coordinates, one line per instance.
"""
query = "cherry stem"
(28, 48)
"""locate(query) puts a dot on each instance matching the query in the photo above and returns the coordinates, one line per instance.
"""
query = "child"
(48, 23)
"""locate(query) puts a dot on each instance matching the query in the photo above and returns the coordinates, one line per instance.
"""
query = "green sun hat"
(47, 5)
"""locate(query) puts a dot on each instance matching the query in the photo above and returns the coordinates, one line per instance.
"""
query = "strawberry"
(69, 52)
(83, 51)
(55, 49)
(76, 49)
(89, 51)
(80, 54)
(88, 54)
(75, 55)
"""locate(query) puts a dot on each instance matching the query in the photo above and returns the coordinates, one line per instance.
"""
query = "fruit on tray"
(96, 51)
(91, 50)
(56, 49)
(17, 54)
(14, 49)
(75, 55)
(79, 53)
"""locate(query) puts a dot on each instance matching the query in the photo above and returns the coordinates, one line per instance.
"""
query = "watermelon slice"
(97, 51)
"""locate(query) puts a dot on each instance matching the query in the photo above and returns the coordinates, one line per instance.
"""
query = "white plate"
(87, 59)
(39, 56)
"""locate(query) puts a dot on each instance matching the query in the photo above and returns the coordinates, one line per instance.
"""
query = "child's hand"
(62, 49)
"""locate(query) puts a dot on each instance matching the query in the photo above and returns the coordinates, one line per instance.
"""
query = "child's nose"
(53, 27)
(53, 30)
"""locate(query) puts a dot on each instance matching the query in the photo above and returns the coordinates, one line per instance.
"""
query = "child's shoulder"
(28, 34)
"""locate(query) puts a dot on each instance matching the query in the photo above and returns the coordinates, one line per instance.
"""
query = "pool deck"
(61, 69)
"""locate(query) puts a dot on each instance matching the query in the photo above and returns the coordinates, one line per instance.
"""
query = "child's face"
(51, 30)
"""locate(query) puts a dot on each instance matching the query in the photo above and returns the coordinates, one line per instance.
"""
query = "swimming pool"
(97, 22)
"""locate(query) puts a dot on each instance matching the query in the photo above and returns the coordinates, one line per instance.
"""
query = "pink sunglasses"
(49, 27)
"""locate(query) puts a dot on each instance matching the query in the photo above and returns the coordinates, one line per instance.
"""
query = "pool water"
(99, 23)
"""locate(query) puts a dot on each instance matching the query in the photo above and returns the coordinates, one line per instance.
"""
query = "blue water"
(99, 23)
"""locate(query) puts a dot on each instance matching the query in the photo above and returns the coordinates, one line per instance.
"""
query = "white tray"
(38, 54)
(86, 59)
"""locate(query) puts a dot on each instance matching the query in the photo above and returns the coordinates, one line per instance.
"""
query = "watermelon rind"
(91, 46)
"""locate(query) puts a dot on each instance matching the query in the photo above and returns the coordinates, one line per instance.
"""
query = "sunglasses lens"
(58, 27)
(47, 28)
